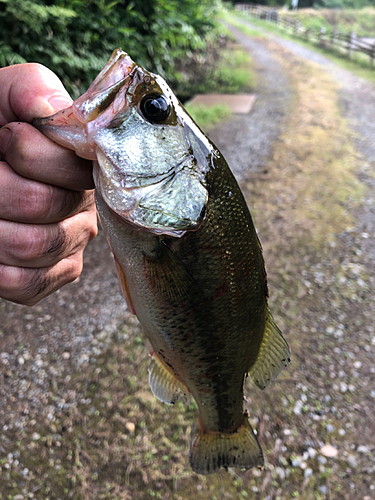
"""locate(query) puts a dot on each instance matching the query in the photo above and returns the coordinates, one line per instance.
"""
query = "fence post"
(335, 33)
(278, 20)
(321, 34)
(372, 56)
(351, 40)
(296, 26)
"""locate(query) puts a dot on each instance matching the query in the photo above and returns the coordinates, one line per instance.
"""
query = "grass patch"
(314, 162)
(208, 116)
(233, 75)
(225, 68)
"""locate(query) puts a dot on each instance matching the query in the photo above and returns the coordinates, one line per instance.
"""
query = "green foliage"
(75, 37)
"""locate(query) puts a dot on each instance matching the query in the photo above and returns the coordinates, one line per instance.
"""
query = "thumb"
(30, 91)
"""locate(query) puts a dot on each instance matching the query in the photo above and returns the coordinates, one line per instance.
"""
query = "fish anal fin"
(164, 385)
(209, 451)
(273, 357)
(124, 286)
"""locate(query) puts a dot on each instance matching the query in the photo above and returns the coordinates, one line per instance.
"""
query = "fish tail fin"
(211, 450)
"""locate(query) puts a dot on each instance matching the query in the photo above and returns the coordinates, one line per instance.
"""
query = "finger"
(43, 245)
(29, 91)
(27, 201)
(29, 286)
(34, 156)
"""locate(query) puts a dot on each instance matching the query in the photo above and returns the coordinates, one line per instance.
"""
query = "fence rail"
(347, 42)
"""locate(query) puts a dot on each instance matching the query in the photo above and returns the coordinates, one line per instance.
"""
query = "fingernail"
(59, 102)
(5, 135)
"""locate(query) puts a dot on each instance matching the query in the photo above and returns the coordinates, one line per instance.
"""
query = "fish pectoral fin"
(170, 280)
(273, 357)
(124, 286)
(211, 450)
(164, 384)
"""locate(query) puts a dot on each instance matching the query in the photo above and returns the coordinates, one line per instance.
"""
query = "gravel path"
(329, 401)
(247, 140)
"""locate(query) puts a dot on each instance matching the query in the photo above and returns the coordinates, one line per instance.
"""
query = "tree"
(75, 37)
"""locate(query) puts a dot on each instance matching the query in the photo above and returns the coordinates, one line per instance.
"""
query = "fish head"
(150, 158)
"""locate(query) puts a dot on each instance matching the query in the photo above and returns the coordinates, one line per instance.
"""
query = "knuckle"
(71, 203)
(92, 228)
(20, 147)
(16, 285)
(28, 244)
(35, 201)
(58, 242)
(36, 242)
(75, 267)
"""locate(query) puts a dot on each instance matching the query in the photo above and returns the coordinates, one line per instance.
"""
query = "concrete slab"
(237, 103)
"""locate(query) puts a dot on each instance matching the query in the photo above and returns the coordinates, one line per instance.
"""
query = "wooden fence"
(347, 42)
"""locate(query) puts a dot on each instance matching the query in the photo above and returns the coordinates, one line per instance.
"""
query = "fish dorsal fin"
(273, 357)
(164, 384)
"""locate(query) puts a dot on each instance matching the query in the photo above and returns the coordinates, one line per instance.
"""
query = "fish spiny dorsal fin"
(273, 357)
(164, 384)
(209, 451)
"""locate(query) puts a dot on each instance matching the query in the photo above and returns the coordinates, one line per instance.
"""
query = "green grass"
(232, 73)
(208, 116)
(225, 68)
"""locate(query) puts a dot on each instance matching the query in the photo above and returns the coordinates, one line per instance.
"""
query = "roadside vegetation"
(75, 38)
(358, 63)
(175, 39)
(361, 21)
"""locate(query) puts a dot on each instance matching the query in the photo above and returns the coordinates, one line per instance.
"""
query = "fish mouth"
(111, 83)
(102, 101)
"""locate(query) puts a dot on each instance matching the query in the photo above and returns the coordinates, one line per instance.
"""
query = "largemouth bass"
(187, 254)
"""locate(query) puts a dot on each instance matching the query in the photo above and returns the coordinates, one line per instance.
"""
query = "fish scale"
(188, 258)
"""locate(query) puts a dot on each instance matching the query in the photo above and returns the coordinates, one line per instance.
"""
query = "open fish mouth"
(102, 102)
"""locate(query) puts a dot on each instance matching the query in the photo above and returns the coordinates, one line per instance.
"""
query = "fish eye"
(155, 108)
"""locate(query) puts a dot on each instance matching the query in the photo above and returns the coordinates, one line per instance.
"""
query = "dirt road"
(77, 417)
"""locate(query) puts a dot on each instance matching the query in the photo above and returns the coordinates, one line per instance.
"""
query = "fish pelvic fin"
(273, 357)
(164, 384)
(209, 451)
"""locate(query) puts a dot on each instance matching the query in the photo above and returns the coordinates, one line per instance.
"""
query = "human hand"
(47, 208)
